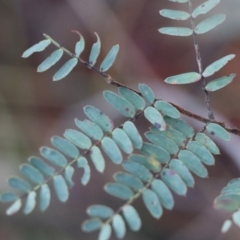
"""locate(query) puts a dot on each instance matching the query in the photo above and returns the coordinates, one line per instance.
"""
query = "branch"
(112, 81)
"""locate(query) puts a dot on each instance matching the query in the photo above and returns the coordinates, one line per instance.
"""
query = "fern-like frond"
(164, 164)
(168, 136)
(201, 28)
(229, 201)
(97, 134)
(68, 66)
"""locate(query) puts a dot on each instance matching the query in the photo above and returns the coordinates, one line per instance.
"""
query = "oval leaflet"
(218, 131)
(184, 78)
(220, 83)
(176, 31)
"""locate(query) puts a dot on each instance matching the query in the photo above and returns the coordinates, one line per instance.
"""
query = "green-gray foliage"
(153, 169)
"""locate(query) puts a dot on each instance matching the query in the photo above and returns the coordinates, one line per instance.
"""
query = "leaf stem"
(199, 63)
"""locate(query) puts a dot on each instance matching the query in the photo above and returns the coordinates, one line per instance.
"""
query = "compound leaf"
(207, 142)
(150, 163)
(218, 131)
(167, 109)
(137, 170)
(209, 23)
(53, 156)
(91, 224)
(89, 128)
(83, 163)
(119, 191)
(98, 117)
(97, 159)
(146, 92)
(32, 173)
(123, 106)
(100, 211)
(122, 140)
(78, 138)
(184, 78)
(182, 171)
(119, 226)
(193, 163)
(19, 184)
(133, 134)
(112, 150)
(217, 65)
(204, 7)
(174, 14)
(132, 218)
(155, 118)
(68, 174)
(30, 203)
(65, 146)
(41, 166)
(15, 207)
(95, 51)
(50, 61)
(152, 203)
(65, 69)
(132, 97)
(38, 47)
(44, 197)
(105, 232)
(61, 188)
(173, 181)
(128, 180)
(176, 31)
(220, 83)
(155, 152)
(163, 193)
(109, 59)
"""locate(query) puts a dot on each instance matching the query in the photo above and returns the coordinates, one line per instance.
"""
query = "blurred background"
(33, 107)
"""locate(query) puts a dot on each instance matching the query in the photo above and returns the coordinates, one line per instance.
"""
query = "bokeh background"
(33, 107)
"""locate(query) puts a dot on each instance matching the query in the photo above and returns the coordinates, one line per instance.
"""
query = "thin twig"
(233, 130)
(199, 63)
